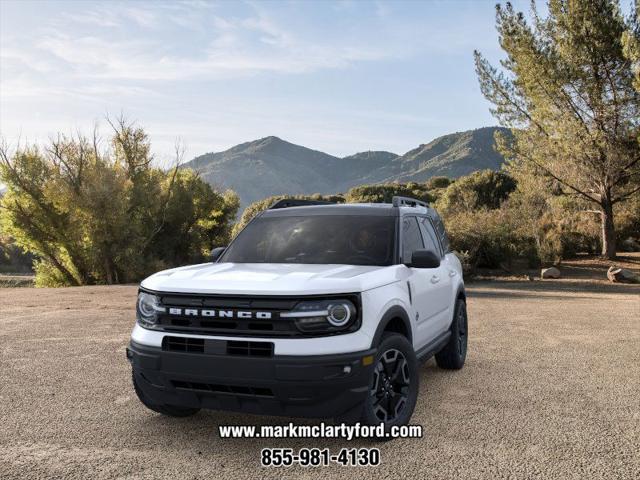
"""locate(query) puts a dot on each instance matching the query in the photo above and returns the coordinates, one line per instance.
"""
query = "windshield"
(350, 240)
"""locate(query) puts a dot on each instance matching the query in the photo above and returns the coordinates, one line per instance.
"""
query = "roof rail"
(295, 202)
(408, 202)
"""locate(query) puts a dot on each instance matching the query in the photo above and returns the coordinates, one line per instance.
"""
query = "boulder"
(630, 245)
(551, 272)
(622, 275)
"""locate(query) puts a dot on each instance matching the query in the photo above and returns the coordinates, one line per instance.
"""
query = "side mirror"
(424, 259)
(216, 253)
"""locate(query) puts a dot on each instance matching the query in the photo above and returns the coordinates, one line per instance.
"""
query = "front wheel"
(394, 384)
(453, 355)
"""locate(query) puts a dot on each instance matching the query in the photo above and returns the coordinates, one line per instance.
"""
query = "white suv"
(316, 310)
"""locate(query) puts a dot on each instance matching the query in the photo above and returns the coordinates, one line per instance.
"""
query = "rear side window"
(429, 235)
(440, 231)
(411, 238)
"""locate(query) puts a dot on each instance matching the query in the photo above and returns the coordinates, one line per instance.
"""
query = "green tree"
(631, 41)
(438, 182)
(566, 89)
(107, 216)
(481, 189)
(383, 193)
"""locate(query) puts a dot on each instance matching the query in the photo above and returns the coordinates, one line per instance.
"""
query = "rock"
(551, 272)
(622, 275)
(630, 245)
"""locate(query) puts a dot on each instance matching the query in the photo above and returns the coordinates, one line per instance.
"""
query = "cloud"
(234, 46)
(110, 17)
(184, 41)
(178, 62)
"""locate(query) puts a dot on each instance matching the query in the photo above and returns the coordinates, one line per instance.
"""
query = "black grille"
(250, 349)
(212, 346)
(216, 388)
(272, 327)
(183, 344)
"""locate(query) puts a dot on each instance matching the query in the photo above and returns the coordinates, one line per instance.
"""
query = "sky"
(340, 77)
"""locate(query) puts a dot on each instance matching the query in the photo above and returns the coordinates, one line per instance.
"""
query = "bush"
(488, 237)
(383, 193)
(95, 217)
(482, 189)
(435, 183)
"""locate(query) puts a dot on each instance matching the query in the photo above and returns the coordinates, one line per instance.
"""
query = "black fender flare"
(395, 311)
(461, 293)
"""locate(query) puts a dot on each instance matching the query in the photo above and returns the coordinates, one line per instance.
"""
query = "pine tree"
(566, 89)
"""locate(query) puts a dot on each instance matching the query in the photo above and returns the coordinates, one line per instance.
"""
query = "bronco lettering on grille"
(244, 314)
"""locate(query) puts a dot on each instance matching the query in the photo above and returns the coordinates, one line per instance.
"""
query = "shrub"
(92, 216)
(383, 193)
(438, 182)
(482, 189)
(490, 238)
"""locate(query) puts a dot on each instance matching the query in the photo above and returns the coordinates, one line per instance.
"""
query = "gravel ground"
(551, 389)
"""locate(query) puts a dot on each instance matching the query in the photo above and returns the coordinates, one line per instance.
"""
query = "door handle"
(435, 279)
(452, 273)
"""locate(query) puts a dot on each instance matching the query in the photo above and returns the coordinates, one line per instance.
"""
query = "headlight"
(318, 316)
(147, 309)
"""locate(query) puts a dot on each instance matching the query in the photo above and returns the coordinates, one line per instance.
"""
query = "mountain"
(272, 166)
(452, 156)
(359, 164)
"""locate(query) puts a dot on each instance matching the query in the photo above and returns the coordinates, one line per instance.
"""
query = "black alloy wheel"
(390, 390)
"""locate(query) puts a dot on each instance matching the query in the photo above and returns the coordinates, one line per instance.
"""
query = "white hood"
(271, 278)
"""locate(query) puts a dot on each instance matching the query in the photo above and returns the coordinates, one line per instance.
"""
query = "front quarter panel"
(378, 301)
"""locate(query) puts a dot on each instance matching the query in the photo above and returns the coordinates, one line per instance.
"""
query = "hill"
(452, 156)
(272, 166)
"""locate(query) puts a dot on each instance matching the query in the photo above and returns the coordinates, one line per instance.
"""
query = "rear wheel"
(169, 410)
(453, 355)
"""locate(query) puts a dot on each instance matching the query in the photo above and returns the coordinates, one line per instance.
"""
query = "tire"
(394, 383)
(168, 410)
(453, 355)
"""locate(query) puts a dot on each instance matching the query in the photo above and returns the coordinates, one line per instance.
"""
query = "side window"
(411, 238)
(444, 240)
(429, 235)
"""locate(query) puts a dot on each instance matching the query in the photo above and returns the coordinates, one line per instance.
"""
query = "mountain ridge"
(272, 166)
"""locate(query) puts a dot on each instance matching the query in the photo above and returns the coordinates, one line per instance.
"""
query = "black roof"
(356, 209)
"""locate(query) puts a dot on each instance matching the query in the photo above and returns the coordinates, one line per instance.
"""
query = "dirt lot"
(551, 389)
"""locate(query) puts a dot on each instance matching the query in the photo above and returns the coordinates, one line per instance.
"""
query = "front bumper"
(317, 386)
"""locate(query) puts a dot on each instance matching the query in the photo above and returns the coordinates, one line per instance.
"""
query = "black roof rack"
(295, 202)
(408, 202)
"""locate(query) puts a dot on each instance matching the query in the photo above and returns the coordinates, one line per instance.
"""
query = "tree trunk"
(608, 230)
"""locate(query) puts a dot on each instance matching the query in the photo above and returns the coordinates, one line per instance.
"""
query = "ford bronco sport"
(317, 310)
